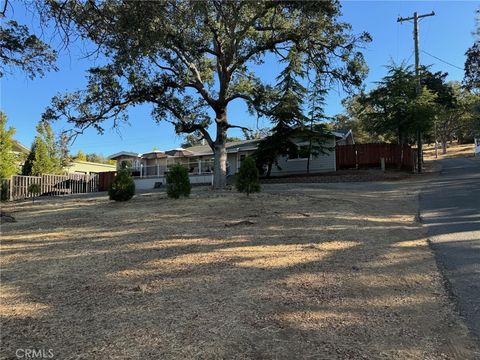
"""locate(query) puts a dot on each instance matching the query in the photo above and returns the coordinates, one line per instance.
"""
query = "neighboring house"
(149, 168)
(20, 151)
(19, 148)
(344, 137)
(76, 166)
(87, 167)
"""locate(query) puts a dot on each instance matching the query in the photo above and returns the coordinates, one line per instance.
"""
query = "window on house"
(302, 153)
(125, 164)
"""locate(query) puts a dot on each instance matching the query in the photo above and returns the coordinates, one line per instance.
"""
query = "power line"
(410, 57)
(415, 19)
(446, 62)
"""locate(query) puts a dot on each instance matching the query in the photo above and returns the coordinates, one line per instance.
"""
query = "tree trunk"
(444, 147)
(220, 152)
(269, 169)
(401, 141)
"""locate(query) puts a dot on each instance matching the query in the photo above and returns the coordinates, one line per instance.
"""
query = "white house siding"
(132, 161)
(87, 167)
(321, 163)
(232, 163)
(235, 159)
(143, 184)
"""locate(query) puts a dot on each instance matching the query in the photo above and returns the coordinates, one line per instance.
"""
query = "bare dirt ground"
(312, 271)
(453, 150)
(361, 175)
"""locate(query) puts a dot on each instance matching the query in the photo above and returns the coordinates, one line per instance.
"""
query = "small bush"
(178, 182)
(122, 187)
(3, 189)
(35, 190)
(247, 178)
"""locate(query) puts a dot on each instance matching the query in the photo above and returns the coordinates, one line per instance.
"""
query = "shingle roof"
(123, 153)
(19, 147)
(231, 147)
(342, 132)
(179, 152)
(156, 154)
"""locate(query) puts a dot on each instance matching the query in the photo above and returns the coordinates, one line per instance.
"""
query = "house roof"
(17, 146)
(343, 134)
(179, 152)
(199, 150)
(123, 153)
(156, 154)
(81, 162)
(231, 147)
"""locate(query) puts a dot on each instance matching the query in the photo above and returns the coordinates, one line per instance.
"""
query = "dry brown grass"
(453, 150)
(337, 274)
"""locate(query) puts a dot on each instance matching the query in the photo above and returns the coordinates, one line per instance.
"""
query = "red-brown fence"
(369, 155)
(105, 179)
(52, 185)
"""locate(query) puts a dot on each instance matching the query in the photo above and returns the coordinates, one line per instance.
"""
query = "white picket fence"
(51, 185)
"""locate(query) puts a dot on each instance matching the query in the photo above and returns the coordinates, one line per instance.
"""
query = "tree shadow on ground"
(314, 276)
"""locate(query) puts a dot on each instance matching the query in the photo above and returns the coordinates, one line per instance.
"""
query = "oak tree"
(19, 48)
(191, 59)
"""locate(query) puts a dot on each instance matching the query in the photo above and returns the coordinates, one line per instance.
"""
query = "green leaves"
(394, 110)
(472, 68)
(190, 59)
(178, 182)
(164, 51)
(8, 163)
(247, 180)
(19, 48)
(122, 187)
(43, 157)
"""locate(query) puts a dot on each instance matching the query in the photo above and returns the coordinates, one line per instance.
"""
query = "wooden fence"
(105, 179)
(51, 185)
(369, 155)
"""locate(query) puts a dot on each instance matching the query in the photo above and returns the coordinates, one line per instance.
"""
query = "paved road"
(450, 207)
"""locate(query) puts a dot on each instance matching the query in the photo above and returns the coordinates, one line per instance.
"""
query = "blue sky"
(446, 35)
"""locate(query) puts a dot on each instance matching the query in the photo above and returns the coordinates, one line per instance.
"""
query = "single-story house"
(344, 137)
(20, 151)
(74, 167)
(149, 168)
(88, 167)
(18, 148)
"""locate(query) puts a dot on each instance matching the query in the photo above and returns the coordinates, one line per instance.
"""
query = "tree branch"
(198, 84)
(229, 126)
(4, 10)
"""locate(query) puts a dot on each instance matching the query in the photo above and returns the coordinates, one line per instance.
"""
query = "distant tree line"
(392, 111)
(49, 154)
(92, 157)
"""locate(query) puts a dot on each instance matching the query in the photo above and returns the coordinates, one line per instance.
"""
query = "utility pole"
(415, 18)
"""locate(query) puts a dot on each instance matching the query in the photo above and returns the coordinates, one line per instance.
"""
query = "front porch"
(157, 168)
(152, 182)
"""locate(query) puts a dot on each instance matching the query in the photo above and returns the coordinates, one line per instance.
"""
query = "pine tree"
(42, 158)
(80, 156)
(122, 187)
(42, 163)
(313, 131)
(246, 180)
(8, 160)
(63, 151)
(286, 114)
(178, 182)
